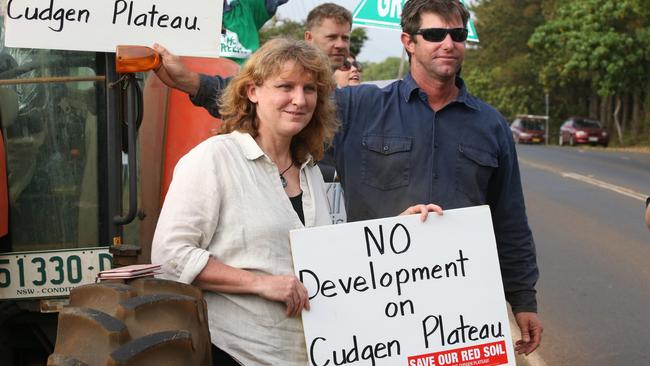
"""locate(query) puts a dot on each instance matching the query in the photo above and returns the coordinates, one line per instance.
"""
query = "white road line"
(599, 183)
(589, 180)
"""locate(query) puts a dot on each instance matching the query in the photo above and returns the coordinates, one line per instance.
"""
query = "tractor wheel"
(146, 322)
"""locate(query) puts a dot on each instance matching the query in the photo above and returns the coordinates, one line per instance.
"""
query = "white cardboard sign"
(187, 28)
(396, 291)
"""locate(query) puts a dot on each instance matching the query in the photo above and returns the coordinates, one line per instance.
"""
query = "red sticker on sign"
(489, 354)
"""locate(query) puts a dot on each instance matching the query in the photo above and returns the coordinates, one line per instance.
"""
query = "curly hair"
(447, 9)
(333, 11)
(239, 113)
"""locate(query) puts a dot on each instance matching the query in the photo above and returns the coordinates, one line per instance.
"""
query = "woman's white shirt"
(226, 201)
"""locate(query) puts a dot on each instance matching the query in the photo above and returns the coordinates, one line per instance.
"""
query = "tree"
(282, 28)
(384, 70)
(501, 70)
(357, 38)
(599, 43)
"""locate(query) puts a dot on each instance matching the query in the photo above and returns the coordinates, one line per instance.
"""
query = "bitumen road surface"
(586, 209)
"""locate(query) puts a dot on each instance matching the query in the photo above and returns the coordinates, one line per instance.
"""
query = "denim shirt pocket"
(474, 169)
(385, 161)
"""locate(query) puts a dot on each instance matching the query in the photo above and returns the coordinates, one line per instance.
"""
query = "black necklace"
(282, 178)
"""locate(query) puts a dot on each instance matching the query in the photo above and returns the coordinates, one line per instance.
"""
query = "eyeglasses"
(347, 65)
(439, 34)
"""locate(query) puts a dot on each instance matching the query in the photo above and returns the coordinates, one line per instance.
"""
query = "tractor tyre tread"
(112, 323)
(154, 349)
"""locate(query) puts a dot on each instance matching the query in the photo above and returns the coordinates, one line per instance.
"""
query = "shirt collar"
(252, 150)
(409, 87)
(249, 147)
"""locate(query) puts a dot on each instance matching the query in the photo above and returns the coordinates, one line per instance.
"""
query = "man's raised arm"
(204, 90)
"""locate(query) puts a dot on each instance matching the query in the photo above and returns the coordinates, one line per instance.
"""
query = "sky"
(381, 43)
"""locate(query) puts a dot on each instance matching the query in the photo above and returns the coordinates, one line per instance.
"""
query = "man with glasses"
(425, 138)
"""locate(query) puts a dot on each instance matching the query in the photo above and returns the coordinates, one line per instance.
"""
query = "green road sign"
(386, 14)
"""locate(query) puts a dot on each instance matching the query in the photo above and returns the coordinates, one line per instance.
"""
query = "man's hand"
(531, 332)
(285, 289)
(174, 74)
(423, 210)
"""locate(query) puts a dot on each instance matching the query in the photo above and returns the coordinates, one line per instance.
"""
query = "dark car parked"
(528, 129)
(578, 130)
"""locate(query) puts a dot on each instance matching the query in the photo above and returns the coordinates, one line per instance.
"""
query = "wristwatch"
(647, 202)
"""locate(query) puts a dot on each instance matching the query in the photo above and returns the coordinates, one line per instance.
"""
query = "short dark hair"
(333, 11)
(447, 9)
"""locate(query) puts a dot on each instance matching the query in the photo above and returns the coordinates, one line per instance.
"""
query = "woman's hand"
(286, 289)
(423, 210)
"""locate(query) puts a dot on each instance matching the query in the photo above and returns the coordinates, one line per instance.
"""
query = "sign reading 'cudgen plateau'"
(397, 291)
(188, 28)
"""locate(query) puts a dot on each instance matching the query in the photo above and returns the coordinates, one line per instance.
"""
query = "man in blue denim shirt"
(427, 139)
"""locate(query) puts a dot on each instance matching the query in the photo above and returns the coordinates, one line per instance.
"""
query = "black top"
(296, 202)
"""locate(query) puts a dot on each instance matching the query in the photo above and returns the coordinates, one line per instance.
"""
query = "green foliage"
(602, 42)
(588, 55)
(603, 48)
(384, 70)
(282, 28)
(357, 38)
(501, 71)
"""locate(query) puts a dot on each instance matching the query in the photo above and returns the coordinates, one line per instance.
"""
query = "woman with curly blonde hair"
(225, 223)
(238, 111)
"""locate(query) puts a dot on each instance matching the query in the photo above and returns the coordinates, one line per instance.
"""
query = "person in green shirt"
(242, 20)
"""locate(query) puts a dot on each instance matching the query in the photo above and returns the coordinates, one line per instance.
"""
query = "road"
(585, 207)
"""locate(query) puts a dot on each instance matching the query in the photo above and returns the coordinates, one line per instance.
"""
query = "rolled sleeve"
(210, 88)
(194, 264)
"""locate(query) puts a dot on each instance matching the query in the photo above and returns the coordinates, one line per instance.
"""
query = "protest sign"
(397, 291)
(187, 28)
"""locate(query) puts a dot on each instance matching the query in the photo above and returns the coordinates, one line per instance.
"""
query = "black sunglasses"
(347, 65)
(439, 34)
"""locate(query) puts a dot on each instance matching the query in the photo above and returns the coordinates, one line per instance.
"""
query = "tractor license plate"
(593, 139)
(45, 274)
